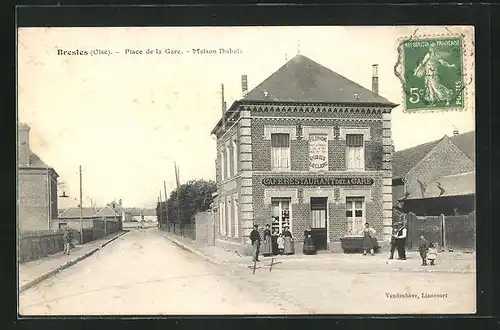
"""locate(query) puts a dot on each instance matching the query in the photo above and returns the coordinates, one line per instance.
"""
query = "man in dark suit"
(255, 238)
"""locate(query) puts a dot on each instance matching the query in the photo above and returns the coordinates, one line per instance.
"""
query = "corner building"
(306, 147)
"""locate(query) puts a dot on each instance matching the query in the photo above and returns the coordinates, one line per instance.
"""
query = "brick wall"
(33, 190)
(445, 159)
(300, 148)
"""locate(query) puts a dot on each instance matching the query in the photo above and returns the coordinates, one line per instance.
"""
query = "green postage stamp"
(432, 73)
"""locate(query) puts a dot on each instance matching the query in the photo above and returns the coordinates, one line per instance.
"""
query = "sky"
(126, 118)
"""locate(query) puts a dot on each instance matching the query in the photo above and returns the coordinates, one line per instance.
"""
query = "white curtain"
(355, 153)
(280, 151)
(318, 218)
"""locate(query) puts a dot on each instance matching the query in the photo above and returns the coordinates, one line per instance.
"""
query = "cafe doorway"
(319, 222)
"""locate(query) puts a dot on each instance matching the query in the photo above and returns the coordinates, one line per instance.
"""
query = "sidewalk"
(33, 272)
(456, 262)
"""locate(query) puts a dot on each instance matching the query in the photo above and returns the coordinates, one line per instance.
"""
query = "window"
(355, 215)
(228, 162)
(280, 151)
(280, 214)
(235, 156)
(236, 219)
(222, 224)
(63, 225)
(222, 166)
(229, 211)
(355, 152)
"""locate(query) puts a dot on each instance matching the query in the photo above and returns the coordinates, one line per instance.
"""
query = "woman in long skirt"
(309, 247)
(368, 235)
(267, 244)
(289, 248)
(274, 242)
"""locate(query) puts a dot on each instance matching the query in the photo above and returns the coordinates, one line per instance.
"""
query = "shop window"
(355, 215)
(355, 152)
(280, 214)
(280, 151)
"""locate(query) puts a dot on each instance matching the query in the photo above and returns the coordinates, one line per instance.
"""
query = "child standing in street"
(432, 253)
(422, 248)
(67, 241)
(281, 244)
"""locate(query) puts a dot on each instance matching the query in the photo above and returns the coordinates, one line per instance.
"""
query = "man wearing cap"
(255, 238)
(401, 241)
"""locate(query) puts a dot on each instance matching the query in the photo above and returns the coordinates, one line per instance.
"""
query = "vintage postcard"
(246, 170)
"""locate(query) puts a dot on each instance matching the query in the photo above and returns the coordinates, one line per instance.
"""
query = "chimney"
(23, 144)
(455, 131)
(244, 85)
(223, 108)
(120, 202)
(375, 78)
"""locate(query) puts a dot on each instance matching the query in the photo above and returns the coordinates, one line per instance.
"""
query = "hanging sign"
(317, 181)
(318, 152)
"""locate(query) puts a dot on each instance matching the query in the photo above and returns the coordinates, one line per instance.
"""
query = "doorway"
(319, 222)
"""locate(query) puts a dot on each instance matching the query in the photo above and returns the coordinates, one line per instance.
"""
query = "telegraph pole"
(166, 207)
(81, 208)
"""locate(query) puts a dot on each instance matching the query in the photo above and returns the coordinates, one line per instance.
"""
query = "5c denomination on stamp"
(432, 73)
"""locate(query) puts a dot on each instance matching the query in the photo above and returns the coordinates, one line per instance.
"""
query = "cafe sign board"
(317, 181)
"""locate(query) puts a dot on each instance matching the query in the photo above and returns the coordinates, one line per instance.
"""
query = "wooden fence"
(35, 245)
(449, 232)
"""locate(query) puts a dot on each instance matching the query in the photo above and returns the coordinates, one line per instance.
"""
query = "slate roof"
(303, 80)
(467, 143)
(454, 185)
(107, 211)
(74, 212)
(404, 160)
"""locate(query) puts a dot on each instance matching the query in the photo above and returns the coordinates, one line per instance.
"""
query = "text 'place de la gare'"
(307, 147)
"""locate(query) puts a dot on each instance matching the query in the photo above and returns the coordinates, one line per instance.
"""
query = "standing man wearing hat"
(401, 241)
(394, 243)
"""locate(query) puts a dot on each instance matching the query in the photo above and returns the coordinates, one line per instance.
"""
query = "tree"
(194, 196)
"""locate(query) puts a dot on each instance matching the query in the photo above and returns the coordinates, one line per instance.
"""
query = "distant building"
(37, 186)
(92, 217)
(70, 218)
(306, 147)
(437, 177)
